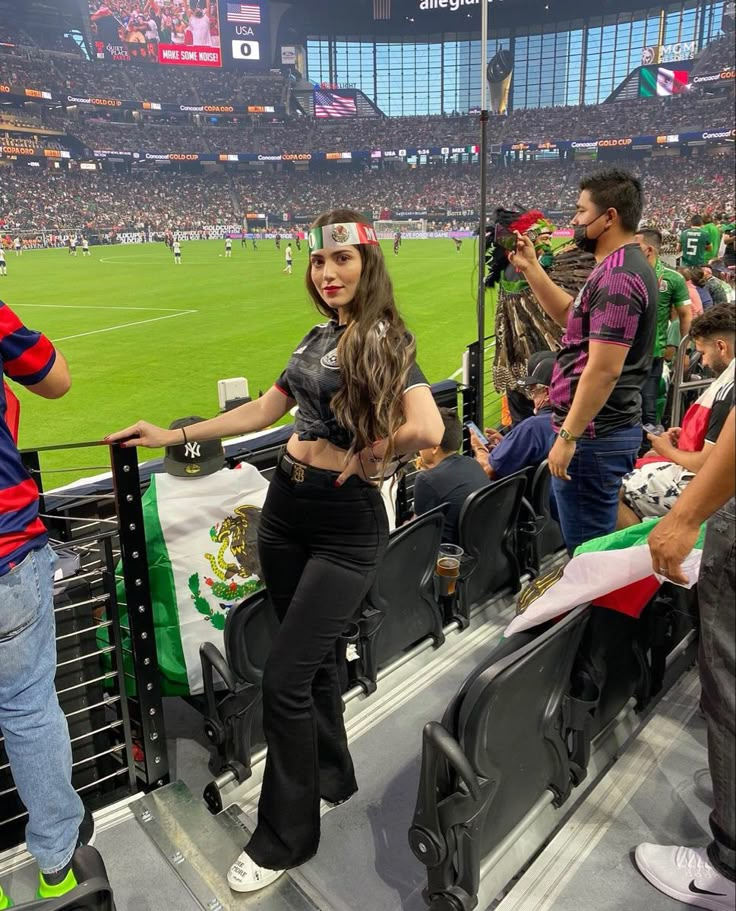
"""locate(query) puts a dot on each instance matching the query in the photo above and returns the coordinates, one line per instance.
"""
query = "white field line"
(141, 322)
(85, 307)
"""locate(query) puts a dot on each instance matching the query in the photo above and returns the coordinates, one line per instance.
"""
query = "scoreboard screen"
(201, 33)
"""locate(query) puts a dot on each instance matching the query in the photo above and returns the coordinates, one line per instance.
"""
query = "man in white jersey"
(199, 26)
(228, 247)
(176, 247)
(85, 247)
(3, 264)
(18, 246)
(289, 259)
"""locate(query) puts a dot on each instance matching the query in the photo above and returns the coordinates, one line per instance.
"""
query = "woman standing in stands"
(363, 405)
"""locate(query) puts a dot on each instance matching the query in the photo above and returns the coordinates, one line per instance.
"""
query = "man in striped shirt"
(33, 724)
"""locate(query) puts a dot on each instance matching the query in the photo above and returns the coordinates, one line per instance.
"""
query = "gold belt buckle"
(297, 473)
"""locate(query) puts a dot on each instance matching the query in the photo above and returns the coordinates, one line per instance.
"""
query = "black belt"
(299, 473)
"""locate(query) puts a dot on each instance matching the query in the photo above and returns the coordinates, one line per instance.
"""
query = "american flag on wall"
(381, 9)
(244, 12)
(329, 104)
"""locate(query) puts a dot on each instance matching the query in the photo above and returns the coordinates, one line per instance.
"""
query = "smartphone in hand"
(474, 429)
(655, 431)
(505, 238)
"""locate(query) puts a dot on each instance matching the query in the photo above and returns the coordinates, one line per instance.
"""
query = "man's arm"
(605, 363)
(685, 316)
(675, 536)
(57, 381)
(692, 461)
(555, 300)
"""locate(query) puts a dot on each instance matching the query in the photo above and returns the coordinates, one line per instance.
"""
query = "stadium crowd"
(38, 199)
(68, 76)
(44, 200)
(651, 116)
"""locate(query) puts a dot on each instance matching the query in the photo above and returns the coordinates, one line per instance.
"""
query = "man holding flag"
(705, 877)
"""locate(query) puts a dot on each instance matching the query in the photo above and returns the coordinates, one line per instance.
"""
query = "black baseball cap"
(193, 460)
(541, 366)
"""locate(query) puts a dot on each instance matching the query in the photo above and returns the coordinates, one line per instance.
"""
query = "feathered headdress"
(514, 220)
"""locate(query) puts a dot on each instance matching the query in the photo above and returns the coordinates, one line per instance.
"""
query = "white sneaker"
(325, 805)
(246, 876)
(687, 875)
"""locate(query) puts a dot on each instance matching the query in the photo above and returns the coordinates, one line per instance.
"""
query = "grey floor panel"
(670, 804)
(141, 880)
(364, 862)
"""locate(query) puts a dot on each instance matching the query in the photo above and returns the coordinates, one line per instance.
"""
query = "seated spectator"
(653, 487)
(718, 289)
(698, 277)
(696, 303)
(445, 476)
(529, 443)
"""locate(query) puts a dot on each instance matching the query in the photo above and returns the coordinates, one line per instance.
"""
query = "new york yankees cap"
(193, 460)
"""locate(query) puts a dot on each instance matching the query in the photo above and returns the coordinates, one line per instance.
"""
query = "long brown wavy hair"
(375, 352)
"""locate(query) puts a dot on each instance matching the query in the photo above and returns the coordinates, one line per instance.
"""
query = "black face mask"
(581, 239)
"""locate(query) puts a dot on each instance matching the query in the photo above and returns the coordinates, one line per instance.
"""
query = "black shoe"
(87, 831)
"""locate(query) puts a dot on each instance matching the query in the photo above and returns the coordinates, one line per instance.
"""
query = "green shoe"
(5, 901)
(52, 885)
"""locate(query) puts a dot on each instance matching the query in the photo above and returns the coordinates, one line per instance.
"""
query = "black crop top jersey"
(312, 377)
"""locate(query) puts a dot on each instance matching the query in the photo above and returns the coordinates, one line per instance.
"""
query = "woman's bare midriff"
(318, 454)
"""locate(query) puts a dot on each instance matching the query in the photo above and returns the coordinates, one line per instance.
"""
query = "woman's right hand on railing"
(145, 434)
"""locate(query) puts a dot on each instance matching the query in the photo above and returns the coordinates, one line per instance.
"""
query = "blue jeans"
(588, 504)
(716, 593)
(34, 726)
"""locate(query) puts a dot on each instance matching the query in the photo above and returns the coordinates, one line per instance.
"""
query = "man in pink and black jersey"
(33, 724)
(606, 354)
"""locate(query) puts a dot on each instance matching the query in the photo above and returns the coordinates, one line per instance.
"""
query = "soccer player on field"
(18, 246)
(3, 264)
(73, 245)
(289, 259)
(278, 241)
(176, 247)
(85, 247)
(228, 247)
(397, 242)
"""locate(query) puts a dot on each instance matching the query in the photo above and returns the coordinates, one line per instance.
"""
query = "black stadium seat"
(487, 530)
(401, 609)
(502, 744)
(233, 715)
(541, 536)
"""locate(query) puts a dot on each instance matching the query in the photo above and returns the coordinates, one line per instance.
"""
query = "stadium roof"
(357, 17)
(425, 17)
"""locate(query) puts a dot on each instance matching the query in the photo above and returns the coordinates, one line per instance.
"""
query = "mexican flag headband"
(330, 236)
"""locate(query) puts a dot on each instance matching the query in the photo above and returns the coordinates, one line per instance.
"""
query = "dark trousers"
(319, 548)
(650, 393)
(717, 598)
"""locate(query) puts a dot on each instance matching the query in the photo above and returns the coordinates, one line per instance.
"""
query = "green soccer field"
(147, 339)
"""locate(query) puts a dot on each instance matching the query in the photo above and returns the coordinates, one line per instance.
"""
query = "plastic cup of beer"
(448, 567)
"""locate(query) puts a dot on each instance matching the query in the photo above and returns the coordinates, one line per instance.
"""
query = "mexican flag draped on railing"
(202, 562)
(614, 571)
